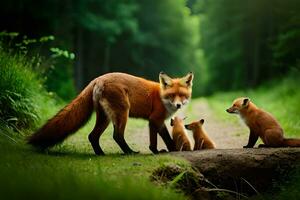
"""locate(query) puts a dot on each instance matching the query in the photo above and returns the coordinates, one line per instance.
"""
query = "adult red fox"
(261, 124)
(202, 141)
(115, 97)
(179, 135)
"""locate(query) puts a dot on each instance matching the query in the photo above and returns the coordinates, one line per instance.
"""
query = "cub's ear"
(172, 122)
(246, 101)
(201, 121)
(164, 80)
(188, 79)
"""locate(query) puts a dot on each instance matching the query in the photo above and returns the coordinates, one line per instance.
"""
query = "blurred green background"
(228, 44)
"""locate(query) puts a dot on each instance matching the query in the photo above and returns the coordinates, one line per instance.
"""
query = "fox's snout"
(177, 102)
(232, 110)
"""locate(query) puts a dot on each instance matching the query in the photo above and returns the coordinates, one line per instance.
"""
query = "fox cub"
(202, 141)
(180, 137)
(261, 124)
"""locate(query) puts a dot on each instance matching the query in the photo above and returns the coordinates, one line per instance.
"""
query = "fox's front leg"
(164, 133)
(153, 137)
(252, 140)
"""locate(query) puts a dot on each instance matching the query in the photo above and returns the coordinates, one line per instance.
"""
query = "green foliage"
(20, 91)
(110, 19)
(169, 38)
(140, 37)
(64, 53)
(56, 68)
(248, 42)
(137, 37)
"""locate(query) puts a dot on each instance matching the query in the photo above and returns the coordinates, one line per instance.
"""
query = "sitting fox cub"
(202, 141)
(261, 124)
(180, 138)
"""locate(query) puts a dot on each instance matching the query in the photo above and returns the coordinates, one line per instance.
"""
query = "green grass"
(72, 171)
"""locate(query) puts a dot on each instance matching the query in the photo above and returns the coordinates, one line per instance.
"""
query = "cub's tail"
(291, 142)
(66, 121)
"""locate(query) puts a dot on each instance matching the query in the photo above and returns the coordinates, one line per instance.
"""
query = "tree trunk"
(256, 57)
(106, 58)
(79, 59)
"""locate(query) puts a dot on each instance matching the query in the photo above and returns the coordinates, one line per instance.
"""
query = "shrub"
(21, 90)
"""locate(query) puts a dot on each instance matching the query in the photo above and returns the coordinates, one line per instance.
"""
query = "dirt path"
(226, 135)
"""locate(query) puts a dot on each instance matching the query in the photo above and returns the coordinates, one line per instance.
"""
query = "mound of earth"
(242, 172)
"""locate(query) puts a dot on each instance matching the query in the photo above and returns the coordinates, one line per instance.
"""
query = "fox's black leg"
(119, 128)
(153, 138)
(101, 124)
(164, 133)
(252, 140)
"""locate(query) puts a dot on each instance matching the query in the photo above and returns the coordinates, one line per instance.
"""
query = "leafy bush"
(21, 91)
(55, 64)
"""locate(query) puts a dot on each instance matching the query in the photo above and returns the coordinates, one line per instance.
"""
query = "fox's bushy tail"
(66, 121)
(291, 142)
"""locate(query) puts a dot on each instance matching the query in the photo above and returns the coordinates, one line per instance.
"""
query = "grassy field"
(72, 171)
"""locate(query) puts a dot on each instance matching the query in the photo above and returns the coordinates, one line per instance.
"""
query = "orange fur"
(261, 124)
(115, 97)
(202, 141)
(179, 135)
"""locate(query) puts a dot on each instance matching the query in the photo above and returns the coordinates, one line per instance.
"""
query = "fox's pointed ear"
(246, 101)
(164, 80)
(188, 79)
(172, 122)
(201, 121)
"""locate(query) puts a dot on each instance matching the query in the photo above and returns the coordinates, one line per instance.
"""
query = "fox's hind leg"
(102, 122)
(119, 129)
(116, 104)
